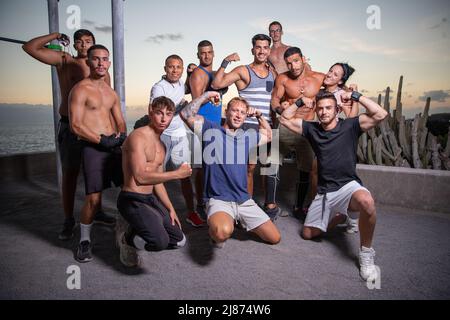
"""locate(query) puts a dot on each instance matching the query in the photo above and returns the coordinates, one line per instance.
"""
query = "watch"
(356, 95)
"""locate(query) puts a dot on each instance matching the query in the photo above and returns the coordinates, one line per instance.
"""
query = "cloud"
(98, 27)
(158, 38)
(355, 44)
(436, 95)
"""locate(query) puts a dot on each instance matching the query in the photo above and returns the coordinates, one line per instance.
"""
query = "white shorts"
(325, 206)
(249, 214)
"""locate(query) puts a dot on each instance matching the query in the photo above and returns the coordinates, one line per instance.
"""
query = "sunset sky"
(413, 41)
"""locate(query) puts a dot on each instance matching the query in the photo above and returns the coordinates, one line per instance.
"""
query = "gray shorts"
(249, 214)
(325, 206)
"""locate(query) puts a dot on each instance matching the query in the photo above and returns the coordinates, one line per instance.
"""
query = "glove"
(109, 142)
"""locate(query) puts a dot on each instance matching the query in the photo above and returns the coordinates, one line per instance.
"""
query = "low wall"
(403, 187)
(409, 188)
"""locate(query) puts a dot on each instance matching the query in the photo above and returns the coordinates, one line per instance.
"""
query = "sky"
(410, 38)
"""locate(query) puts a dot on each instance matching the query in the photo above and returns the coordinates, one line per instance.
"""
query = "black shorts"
(149, 219)
(101, 167)
(69, 146)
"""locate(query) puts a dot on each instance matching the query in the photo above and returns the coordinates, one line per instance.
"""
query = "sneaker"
(201, 211)
(273, 213)
(367, 270)
(67, 231)
(121, 228)
(84, 252)
(128, 254)
(194, 219)
(103, 218)
(218, 245)
(352, 226)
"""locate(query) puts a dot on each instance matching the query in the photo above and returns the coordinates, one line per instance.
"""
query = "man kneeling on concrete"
(225, 158)
(339, 189)
(143, 201)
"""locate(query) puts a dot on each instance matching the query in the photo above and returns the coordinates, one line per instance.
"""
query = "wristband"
(299, 103)
(356, 95)
(225, 64)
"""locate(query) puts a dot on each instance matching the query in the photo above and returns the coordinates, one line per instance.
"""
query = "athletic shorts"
(325, 206)
(248, 213)
(101, 167)
(69, 146)
(294, 141)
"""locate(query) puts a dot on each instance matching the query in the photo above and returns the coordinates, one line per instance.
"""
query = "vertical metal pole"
(53, 23)
(118, 51)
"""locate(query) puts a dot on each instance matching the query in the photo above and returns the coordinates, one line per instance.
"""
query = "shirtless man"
(92, 106)
(151, 221)
(298, 85)
(70, 71)
(276, 57)
(254, 83)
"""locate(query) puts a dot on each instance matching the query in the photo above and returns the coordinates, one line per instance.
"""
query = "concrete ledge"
(24, 166)
(409, 188)
(402, 187)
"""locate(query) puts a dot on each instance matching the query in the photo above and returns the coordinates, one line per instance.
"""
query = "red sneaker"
(195, 219)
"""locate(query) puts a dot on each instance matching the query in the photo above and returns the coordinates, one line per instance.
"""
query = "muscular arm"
(374, 114)
(35, 48)
(116, 112)
(161, 192)
(277, 94)
(139, 165)
(77, 106)
(288, 120)
(223, 79)
(189, 112)
(198, 82)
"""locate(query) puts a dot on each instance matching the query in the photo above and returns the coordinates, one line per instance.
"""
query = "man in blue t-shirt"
(339, 189)
(226, 151)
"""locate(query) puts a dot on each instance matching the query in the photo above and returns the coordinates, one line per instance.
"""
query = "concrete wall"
(404, 187)
(409, 188)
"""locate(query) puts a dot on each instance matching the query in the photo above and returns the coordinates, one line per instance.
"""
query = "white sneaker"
(352, 226)
(368, 270)
(128, 254)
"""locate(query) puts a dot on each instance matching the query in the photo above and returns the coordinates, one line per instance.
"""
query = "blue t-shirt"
(225, 159)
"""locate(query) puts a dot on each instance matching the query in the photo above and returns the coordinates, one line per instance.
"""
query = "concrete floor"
(413, 253)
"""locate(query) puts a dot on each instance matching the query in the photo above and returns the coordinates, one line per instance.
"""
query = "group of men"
(277, 90)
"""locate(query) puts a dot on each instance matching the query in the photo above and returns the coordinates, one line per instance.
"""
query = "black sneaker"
(84, 253)
(67, 231)
(273, 213)
(103, 218)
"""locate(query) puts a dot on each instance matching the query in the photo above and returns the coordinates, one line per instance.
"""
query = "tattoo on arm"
(192, 108)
